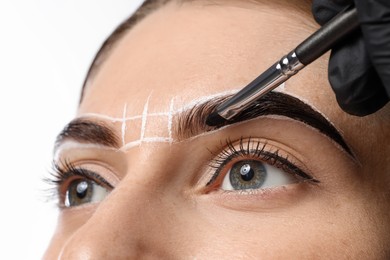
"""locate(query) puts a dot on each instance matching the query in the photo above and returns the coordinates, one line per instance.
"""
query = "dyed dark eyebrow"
(87, 131)
(193, 122)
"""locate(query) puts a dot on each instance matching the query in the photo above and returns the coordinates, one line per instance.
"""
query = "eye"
(75, 185)
(82, 191)
(253, 174)
(253, 164)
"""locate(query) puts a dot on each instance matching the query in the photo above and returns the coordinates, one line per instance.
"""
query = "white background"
(46, 47)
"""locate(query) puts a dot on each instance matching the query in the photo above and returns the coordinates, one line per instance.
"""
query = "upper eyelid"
(96, 177)
(73, 170)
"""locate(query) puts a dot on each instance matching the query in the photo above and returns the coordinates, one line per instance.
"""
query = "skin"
(160, 206)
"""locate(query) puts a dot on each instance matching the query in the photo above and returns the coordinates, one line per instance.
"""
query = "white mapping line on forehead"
(124, 125)
(170, 118)
(144, 118)
(171, 111)
(281, 88)
(304, 100)
(204, 99)
(136, 143)
(120, 119)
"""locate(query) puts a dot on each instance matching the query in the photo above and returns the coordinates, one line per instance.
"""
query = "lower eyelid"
(261, 200)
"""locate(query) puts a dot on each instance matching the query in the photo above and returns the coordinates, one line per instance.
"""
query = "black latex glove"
(359, 67)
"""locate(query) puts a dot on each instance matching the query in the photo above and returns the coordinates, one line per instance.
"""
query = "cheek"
(315, 227)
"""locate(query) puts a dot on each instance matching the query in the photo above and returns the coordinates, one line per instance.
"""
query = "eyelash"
(63, 171)
(256, 150)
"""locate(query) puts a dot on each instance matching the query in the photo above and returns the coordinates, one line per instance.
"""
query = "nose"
(134, 221)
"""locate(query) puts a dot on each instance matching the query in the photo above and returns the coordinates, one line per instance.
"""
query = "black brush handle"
(327, 36)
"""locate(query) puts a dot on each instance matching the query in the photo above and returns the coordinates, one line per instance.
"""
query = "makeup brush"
(309, 50)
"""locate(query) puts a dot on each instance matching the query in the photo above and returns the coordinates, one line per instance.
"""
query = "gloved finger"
(374, 16)
(324, 10)
(353, 78)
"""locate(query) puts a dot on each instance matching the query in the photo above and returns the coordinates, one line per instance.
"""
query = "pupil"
(245, 169)
(246, 172)
(82, 189)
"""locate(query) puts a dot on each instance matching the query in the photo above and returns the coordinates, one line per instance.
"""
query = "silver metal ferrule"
(281, 71)
(289, 65)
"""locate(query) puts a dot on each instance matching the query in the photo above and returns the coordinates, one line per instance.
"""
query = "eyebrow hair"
(193, 122)
(88, 131)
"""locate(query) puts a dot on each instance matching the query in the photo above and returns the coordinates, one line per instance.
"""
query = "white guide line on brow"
(170, 118)
(171, 111)
(124, 125)
(144, 117)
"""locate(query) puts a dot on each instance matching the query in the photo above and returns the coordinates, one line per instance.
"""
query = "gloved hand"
(359, 67)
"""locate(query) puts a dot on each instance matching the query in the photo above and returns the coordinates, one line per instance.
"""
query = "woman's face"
(140, 176)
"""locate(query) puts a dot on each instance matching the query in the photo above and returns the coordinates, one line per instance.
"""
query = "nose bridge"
(130, 221)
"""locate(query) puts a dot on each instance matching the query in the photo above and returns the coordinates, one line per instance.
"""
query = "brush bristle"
(214, 119)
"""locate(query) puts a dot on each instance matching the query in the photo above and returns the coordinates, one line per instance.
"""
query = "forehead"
(188, 51)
